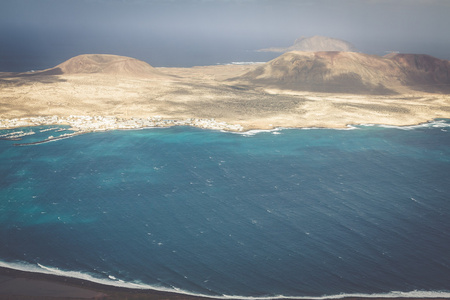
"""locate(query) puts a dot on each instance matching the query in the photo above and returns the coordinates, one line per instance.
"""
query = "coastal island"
(298, 89)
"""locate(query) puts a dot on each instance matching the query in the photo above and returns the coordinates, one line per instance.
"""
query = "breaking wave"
(113, 281)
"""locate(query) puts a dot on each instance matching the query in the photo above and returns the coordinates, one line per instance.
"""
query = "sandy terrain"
(206, 92)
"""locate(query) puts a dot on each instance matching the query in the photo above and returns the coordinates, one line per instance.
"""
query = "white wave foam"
(256, 131)
(347, 127)
(22, 266)
(394, 294)
(431, 124)
(113, 281)
(434, 124)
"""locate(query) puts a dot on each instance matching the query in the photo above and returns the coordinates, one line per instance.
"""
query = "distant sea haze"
(17, 62)
(284, 213)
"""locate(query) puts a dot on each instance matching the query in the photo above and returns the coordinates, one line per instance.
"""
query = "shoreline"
(104, 123)
(86, 124)
(30, 285)
(23, 285)
(127, 125)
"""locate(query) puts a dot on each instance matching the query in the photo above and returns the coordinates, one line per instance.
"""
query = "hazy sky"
(42, 33)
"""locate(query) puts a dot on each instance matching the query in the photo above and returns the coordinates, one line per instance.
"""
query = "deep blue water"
(293, 212)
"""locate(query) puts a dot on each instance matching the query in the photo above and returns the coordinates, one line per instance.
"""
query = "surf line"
(137, 286)
(52, 139)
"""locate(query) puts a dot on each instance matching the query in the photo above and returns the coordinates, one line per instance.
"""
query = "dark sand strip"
(22, 285)
(41, 288)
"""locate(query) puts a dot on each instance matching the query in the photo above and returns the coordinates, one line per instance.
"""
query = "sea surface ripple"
(286, 213)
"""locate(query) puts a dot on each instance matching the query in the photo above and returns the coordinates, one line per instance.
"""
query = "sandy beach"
(16, 284)
(20, 285)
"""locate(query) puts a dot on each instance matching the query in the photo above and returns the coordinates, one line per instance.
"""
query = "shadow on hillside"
(434, 88)
(313, 76)
(351, 83)
(25, 79)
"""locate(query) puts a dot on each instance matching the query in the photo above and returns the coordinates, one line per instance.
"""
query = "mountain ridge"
(351, 72)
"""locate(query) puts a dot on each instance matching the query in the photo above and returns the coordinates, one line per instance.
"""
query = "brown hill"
(104, 64)
(350, 72)
(423, 71)
(316, 43)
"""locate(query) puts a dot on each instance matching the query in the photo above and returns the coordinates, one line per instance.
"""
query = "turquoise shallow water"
(292, 212)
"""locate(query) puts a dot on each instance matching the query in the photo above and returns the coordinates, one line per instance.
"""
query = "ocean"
(284, 213)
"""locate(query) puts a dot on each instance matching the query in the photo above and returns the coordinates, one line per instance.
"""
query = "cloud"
(59, 28)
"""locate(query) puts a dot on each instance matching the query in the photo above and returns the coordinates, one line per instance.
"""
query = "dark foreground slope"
(350, 72)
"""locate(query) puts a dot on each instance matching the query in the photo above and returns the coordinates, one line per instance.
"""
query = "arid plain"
(255, 96)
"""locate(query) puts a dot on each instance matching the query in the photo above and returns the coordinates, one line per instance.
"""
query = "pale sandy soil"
(208, 92)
